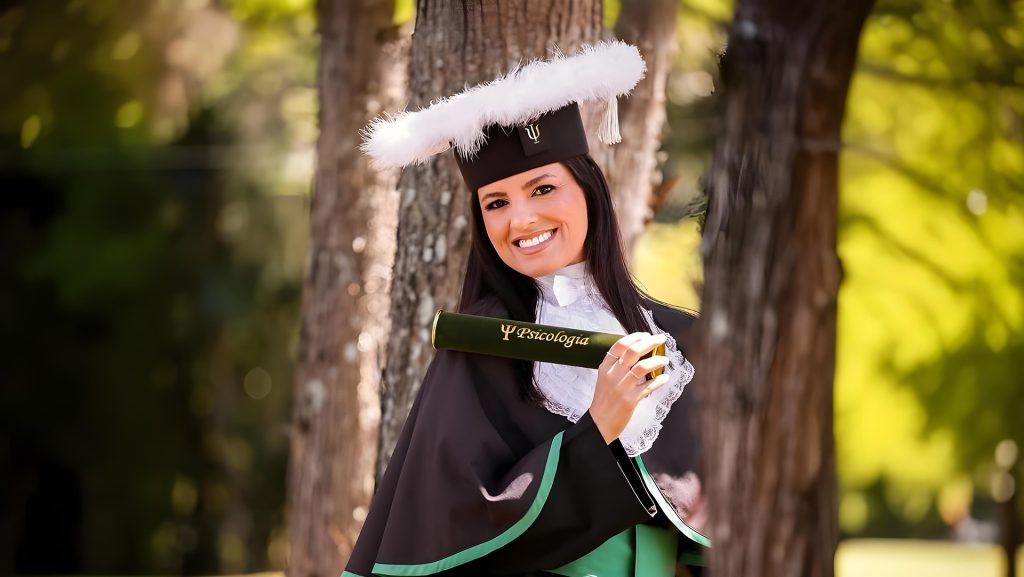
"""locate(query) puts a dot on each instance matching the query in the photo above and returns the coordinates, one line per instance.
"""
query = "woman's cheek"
(491, 229)
(496, 233)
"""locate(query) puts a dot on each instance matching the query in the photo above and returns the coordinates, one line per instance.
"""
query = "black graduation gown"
(483, 482)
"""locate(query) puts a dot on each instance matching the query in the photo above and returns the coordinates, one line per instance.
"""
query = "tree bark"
(455, 43)
(771, 279)
(346, 291)
(632, 167)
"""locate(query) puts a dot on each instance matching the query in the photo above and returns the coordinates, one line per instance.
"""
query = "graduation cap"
(527, 118)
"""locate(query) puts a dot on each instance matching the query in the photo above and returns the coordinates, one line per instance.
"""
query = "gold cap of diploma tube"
(524, 341)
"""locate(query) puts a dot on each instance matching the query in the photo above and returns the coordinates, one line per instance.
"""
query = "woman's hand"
(619, 386)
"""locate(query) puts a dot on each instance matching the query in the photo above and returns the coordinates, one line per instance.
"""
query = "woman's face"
(536, 220)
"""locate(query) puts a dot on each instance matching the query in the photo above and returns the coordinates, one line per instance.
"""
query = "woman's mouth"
(536, 243)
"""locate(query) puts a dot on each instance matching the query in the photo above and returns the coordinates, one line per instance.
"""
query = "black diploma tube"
(522, 340)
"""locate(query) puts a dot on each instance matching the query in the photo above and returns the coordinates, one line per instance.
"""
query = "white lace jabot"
(569, 298)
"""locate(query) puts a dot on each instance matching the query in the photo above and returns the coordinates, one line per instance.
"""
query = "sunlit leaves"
(932, 246)
(666, 253)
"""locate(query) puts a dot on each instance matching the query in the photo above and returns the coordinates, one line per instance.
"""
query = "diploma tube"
(522, 340)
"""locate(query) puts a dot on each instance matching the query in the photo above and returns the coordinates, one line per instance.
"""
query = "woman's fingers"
(651, 386)
(614, 354)
(642, 367)
(618, 390)
(641, 347)
(622, 345)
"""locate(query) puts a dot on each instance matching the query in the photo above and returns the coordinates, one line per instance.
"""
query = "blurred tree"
(345, 302)
(631, 169)
(931, 236)
(772, 275)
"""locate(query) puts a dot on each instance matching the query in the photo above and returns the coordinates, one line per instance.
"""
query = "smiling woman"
(532, 468)
(538, 226)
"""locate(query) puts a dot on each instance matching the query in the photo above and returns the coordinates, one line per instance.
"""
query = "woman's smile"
(535, 243)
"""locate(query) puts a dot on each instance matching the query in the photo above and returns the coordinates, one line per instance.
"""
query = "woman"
(516, 468)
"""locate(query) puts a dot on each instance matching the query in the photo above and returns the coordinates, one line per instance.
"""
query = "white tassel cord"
(608, 132)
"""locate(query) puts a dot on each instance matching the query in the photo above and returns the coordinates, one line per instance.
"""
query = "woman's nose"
(523, 217)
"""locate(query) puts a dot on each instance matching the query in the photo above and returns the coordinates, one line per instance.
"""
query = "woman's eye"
(543, 189)
(494, 204)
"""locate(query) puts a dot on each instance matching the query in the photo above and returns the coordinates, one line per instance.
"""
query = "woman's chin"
(539, 269)
(550, 259)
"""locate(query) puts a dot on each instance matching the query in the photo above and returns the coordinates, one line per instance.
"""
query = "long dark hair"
(487, 274)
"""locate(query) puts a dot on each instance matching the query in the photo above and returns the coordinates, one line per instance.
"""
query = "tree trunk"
(345, 297)
(771, 279)
(1009, 522)
(455, 43)
(632, 167)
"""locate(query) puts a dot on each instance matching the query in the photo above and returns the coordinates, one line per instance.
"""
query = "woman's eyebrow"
(490, 194)
(535, 180)
(529, 184)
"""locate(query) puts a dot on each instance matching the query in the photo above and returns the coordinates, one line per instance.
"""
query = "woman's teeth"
(535, 240)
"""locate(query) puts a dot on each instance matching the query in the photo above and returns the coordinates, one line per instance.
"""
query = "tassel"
(608, 132)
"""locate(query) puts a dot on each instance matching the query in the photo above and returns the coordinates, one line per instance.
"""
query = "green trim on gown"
(643, 550)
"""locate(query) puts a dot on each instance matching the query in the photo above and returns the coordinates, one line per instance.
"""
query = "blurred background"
(156, 160)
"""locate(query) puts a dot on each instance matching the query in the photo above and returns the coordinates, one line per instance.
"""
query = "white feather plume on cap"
(596, 72)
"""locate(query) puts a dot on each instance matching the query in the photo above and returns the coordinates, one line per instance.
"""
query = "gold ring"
(609, 353)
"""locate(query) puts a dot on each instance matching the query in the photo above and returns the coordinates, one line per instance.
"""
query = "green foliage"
(664, 254)
(152, 277)
(887, 558)
(932, 241)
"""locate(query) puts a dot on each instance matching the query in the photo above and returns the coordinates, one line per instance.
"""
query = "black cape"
(484, 482)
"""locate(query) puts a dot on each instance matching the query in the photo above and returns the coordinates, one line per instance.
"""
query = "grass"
(908, 558)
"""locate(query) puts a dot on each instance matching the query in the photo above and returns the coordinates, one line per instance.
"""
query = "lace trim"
(680, 372)
(568, 391)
